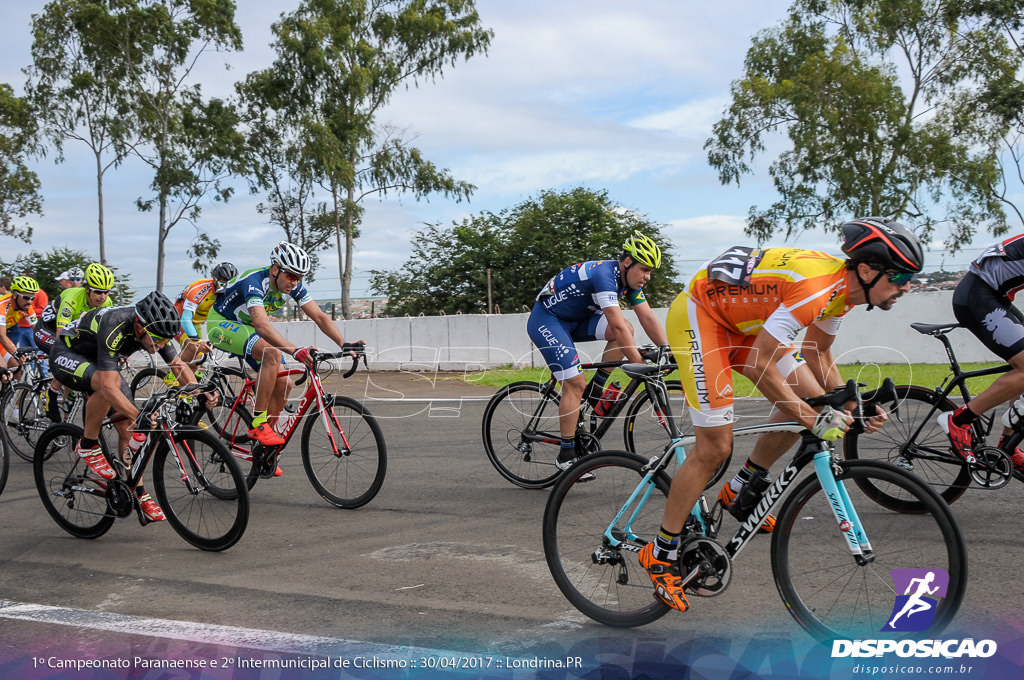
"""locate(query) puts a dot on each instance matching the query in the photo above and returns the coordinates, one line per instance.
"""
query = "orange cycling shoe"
(149, 507)
(667, 583)
(96, 461)
(727, 497)
(265, 435)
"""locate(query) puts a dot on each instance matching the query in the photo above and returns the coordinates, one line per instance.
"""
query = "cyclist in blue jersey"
(239, 323)
(582, 303)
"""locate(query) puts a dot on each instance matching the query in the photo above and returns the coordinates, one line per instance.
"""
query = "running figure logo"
(914, 610)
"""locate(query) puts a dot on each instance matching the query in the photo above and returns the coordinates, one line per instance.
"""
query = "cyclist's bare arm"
(261, 322)
(765, 374)
(620, 332)
(651, 325)
(323, 322)
(817, 352)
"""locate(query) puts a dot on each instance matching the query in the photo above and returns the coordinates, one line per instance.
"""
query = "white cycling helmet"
(291, 257)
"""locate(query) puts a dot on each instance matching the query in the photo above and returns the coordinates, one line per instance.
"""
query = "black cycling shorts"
(75, 371)
(990, 316)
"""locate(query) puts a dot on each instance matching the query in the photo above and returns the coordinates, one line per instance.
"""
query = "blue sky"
(603, 94)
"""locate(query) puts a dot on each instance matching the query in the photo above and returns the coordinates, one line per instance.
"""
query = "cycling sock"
(963, 416)
(258, 418)
(745, 474)
(666, 546)
(87, 444)
(567, 450)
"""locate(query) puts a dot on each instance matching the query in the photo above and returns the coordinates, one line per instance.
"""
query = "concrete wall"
(472, 341)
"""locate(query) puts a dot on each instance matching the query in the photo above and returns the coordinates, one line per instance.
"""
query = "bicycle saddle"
(640, 370)
(934, 328)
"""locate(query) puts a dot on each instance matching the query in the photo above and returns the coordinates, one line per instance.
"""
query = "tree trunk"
(99, 204)
(346, 279)
(160, 243)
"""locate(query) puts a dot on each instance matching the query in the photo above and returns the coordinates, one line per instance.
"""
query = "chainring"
(714, 563)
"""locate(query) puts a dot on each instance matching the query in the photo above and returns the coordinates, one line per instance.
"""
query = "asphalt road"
(447, 557)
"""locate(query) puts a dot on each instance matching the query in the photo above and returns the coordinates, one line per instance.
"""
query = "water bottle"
(134, 444)
(611, 393)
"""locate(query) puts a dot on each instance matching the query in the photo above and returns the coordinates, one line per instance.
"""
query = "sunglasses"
(74, 279)
(291, 276)
(157, 338)
(98, 291)
(26, 298)
(899, 278)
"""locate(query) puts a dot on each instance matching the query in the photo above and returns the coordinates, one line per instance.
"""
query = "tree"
(339, 62)
(521, 248)
(19, 186)
(191, 144)
(57, 260)
(77, 86)
(869, 93)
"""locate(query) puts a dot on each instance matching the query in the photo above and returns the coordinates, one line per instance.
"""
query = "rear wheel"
(24, 419)
(147, 382)
(74, 496)
(924, 454)
(521, 434)
(344, 454)
(211, 509)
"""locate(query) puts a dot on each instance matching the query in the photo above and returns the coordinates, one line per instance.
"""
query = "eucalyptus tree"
(77, 85)
(19, 186)
(864, 101)
(191, 144)
(338, 64)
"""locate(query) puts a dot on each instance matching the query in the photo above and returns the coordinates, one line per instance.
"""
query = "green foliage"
(57, 260)
(523, 248)
(873, 98)
(19, 186)
(339, 62)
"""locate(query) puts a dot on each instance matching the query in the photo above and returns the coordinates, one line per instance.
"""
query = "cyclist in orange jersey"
(17, 307)
(742, 311)
(194, 304)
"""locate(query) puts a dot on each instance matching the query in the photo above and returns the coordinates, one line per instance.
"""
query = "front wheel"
(521, 434)
(343, 453)
(925, 454)
(600, 575)
(73, 495)
(5, 462)
(231, 424)
(834, 597)
(24, 419)
(210, 507)
(147, 382)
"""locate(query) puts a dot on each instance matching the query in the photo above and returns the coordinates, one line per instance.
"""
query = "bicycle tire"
(949, 478)
(617, 592)
(73, 495)
(24, 419)
(234, 432)
(826, 591)
(5, 463)
(530, 465)
(147, 382)
(228, 383)
(352, 478)
(214, 517)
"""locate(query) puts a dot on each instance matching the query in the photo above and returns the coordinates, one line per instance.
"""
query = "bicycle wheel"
(522, 454)
(893, 444)
(606, 583)
(146, 383)
(229, 382)
(824, 588)
(5, 463)
(233, 429)
(24, 419)
(343, 453)
(74, 496)
(211, 511)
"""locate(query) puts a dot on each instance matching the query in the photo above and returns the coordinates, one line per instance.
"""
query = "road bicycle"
(521, 433)
(831, 549)
(342, 447)
(914, 441)
(24, 416)
(5, 462)
(197, 482)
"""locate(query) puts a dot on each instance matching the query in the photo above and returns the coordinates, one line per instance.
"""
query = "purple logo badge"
(918, 592)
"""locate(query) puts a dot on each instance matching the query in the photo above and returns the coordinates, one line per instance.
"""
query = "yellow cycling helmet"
(25, 284)
(643, 249)
(99, 277)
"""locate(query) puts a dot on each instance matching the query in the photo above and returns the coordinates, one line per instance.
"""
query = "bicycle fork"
(842, 508)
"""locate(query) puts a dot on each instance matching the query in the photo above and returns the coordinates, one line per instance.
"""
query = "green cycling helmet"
(643, 249)
(99, 277)
(25, 285)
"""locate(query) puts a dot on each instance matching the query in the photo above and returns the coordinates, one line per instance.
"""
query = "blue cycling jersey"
(252, 289)
(585, 288)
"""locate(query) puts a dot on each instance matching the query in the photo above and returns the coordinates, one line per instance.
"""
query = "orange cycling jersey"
(11, 316)
(780, 290)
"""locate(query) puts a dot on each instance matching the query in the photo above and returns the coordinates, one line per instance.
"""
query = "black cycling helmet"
(225, 271)
(158, 315)
(884, 244)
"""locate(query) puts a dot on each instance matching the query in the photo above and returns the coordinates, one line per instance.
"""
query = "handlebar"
(837, 399)
(354, 350)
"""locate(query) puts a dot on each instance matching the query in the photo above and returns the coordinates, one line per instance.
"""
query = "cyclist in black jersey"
(983, 303)
(86, 357)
